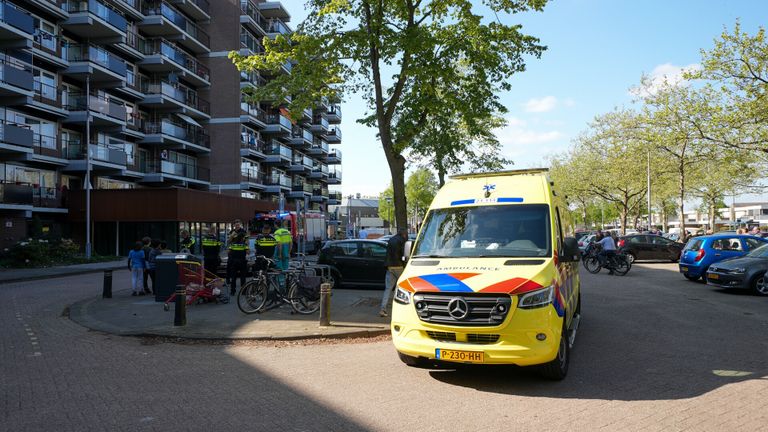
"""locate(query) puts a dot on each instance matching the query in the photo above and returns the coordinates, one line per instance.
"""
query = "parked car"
(585, 241)
(649, 247)
(581, 234)
(701, 252)
(747, 272)
(355, 262)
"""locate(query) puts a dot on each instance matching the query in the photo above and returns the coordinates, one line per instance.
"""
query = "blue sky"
(597, 50)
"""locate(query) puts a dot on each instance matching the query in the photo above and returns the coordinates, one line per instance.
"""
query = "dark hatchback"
(649, 247)
(355, 262)
(747, 272)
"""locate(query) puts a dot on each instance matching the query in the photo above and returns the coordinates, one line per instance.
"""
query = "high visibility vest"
(283, 236)
(211, 246)
(238, 247)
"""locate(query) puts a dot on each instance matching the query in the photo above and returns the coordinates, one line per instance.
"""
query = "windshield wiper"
(430, 256)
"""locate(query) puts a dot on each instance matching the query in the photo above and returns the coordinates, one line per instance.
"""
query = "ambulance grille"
(481, 309)
(442, 336)
(482, 338)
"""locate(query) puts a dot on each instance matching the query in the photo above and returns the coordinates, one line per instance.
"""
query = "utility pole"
(88, 166)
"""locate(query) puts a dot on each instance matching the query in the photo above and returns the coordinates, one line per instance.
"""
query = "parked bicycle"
(618, 262)
(265, 289)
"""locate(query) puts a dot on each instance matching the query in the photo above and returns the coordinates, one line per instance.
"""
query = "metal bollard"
(107, 288)
(180, 311)
(325, 304)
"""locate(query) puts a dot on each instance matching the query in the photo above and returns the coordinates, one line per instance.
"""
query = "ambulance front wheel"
(410, 360)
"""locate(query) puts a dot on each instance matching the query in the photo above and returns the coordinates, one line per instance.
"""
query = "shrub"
(41, 253)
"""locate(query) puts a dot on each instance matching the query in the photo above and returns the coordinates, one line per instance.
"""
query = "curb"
(59, 275)
(77, 313)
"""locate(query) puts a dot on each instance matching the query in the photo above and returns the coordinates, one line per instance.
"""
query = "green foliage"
(420, 190)
(44, 253)
(387, 205)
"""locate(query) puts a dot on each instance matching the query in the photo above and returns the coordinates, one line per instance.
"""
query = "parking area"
(654, 352)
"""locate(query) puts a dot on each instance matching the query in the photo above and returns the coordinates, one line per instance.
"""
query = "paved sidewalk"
(354, 313)
(19, 275)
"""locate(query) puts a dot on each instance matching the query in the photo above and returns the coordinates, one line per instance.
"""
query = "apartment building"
(121, 88)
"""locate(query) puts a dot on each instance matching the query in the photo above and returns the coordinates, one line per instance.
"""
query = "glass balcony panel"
(177, 18)
(99, 9)
(16, 17)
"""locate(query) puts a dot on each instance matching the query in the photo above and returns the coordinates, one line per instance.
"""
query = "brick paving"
(654, 353)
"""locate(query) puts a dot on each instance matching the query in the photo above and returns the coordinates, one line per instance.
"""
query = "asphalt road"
(654, 352)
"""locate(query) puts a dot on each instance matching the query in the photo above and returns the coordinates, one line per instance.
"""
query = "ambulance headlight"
(402, 296)
(537, 299)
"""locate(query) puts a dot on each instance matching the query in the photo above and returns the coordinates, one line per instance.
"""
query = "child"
(137, 264)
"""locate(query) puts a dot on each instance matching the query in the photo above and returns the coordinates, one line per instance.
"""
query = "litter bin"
(168, 272)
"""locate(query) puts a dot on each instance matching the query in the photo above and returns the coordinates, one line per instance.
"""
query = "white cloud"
(538, 105)
(661, 75)
(527, 144)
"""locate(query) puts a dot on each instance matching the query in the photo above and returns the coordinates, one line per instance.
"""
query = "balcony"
(301, 137)
(274, 9)
(252, 148)
(105, 69)
(278, 153)
(277, 123)
(276, 26)
(162, 55)
(48, 99)
(333, 114)
(47, 46)
(16, 26)
(197, 9)
(52, 7)
(47, 150)
(92, 19)
(15, 138)
(319, 148)
(252, 114)
(175, 135)
(320, 125)
(29, 197)
(251, 79)
(333, 136)
(134, 45)
(174, 173)
(105, 159)
(334, 157)
(251, 179)
(299, 189)
(166, 95)
(300, 163)
(334, 198)
(251, 17)
(319, 171)
(334, 177)
(129, 8)
(319, 194)
(277, 182)
(105, 111)
(164, 20)
(249, 44)
(15, 78)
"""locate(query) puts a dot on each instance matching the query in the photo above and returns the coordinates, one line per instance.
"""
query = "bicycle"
(617, 262)
(254, 295)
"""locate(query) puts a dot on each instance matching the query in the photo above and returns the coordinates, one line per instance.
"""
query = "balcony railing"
(321, 121)
(335, 132)
(251, 176)
(250, 42)
(157, 7)
(278, 179)
(99, 9)
(97, 152)
(188, 133)
(275, 25)
(336, 153)
(252, 77)
(301, 187)
(177, 92)
(320, 167)
(46, 145)
(334, 196)
(334, 110)
(190, 171)
(15, 17)
(159, 46)
(100, 56)
(335, 175)
(302, 133)
(16, 134)
(30, 194)
(320, 192)
(47, 94)
(321, 145)
(253, 143)
(254, 110)
(15, 73)
(248, 7)
(275, 148)
(101, 104)
(135, 41)
(47, 42)
(276, 118)
(300, 159)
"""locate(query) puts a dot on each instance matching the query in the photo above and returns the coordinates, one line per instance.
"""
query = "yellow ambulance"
(492, 277)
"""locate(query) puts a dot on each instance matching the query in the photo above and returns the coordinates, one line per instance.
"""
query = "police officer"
(284, 245)
(211, 249)
(187, 242)
(237, 265)
(265, 245)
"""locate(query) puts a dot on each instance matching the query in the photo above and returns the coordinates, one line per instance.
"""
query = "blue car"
(701, 252)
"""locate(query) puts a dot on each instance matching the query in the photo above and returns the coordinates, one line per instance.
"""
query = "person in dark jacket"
(395, 263)
(211, 251)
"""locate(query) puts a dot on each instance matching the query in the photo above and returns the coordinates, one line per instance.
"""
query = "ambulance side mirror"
(408, 247)
(570, 251)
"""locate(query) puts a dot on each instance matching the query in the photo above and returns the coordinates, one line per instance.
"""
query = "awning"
(189, 120)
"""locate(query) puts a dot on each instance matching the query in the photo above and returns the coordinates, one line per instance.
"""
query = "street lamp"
(388, 199)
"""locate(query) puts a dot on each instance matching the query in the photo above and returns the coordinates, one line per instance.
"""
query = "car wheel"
(674, 258)
(690, 277)
(557, 369)
(411, 361)
(760, 285)
(631, 257)
(335, 279)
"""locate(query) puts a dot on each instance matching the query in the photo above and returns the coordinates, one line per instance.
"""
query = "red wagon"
(201, 286)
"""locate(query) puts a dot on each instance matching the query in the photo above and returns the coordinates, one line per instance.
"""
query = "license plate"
(713, 276)
(683, 269)
(459, 356)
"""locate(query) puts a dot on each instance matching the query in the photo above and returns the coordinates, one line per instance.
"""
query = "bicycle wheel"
(304, 300)
(621, 265)
(592, 264)
(252, 296)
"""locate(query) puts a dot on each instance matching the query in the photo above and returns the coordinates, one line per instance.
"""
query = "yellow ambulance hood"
(482, 275)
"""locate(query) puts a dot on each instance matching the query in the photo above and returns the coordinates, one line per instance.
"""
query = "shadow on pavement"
(653, 336)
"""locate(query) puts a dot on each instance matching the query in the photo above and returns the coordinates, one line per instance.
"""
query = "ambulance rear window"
(487, 231)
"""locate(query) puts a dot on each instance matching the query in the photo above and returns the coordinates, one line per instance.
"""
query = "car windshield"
(486, 231)
(761, 252)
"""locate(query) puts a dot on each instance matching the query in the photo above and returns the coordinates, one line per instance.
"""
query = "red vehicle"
(311, 227)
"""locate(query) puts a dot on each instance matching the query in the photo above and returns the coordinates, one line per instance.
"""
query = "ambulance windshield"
(486, 231)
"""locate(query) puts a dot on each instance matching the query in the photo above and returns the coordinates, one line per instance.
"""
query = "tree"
(420, 190)
(351, 45)
(386, 205)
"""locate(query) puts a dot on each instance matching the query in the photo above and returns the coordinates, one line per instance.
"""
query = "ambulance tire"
(557, 369)
(410, 360)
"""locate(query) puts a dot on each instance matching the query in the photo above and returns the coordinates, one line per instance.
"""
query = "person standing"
(211, 250)
(395, 263)
(363, 234)
(147, 248)
(237, 264)
(284, 245)
(187, 242)
(152, 262)
(266, 246)
(137, 263)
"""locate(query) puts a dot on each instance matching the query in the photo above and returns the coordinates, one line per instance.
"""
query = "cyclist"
(607, 250)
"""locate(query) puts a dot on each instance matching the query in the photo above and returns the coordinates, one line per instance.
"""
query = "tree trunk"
(681, 202)
(440, 173)
(711, 215)
(397, 171)
(624, 217)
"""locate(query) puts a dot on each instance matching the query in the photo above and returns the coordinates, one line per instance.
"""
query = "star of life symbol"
(489, 187)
